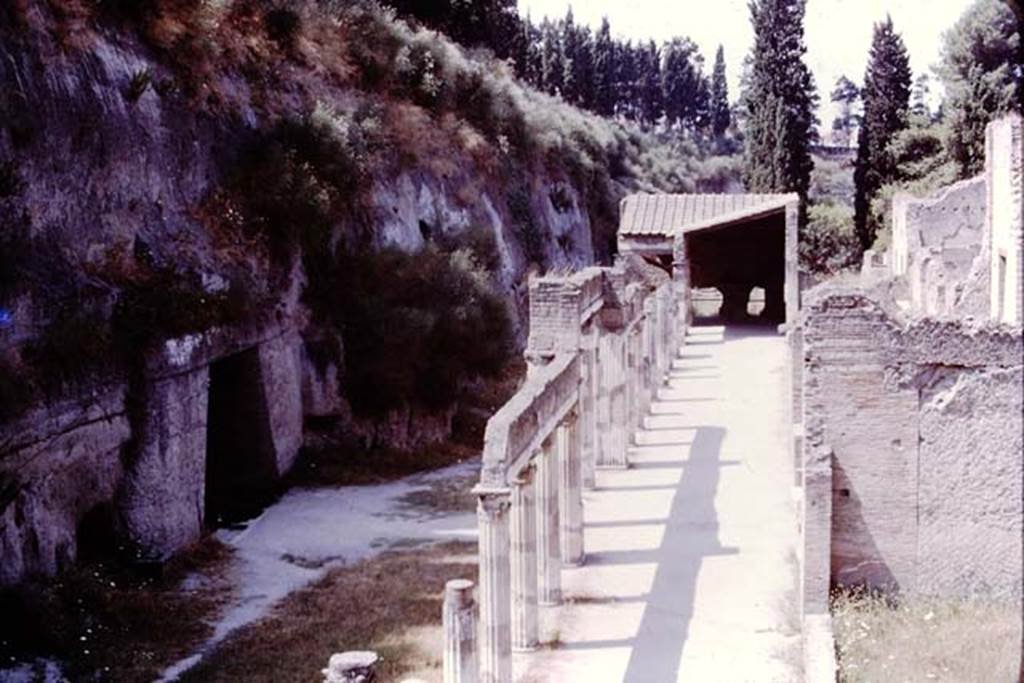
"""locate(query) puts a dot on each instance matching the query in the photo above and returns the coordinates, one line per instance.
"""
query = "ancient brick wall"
(921, 425)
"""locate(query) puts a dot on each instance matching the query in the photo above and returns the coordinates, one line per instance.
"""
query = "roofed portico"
(733, 243)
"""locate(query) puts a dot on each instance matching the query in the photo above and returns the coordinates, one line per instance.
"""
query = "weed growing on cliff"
(138, 85)
(525, 226)
(164, 304)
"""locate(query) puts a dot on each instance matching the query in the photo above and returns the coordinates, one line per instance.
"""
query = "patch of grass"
(390, 604)
(882, 638)
(105, 622)
(336, 465)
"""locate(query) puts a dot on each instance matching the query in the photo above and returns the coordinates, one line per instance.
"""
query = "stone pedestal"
(549, 563)
(524, 563)
(459, 620)
(570, 499)
(495, 598)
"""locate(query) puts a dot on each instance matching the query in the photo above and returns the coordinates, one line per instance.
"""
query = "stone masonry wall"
(921, 426)
(138, 456)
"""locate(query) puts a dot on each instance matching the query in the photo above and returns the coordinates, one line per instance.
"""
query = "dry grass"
(105, 622)
(390, 604)
(881, 639)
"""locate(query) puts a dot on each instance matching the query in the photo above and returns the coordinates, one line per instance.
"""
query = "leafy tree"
(981, 69)
(845, 94)
(886, 105)
(720, 115)
(780, 100)
(605, 71)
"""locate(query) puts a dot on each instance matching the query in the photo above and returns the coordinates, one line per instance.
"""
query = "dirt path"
(310, 531)
(691, 569)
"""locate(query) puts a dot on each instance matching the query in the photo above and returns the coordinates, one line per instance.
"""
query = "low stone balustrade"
(598, 340)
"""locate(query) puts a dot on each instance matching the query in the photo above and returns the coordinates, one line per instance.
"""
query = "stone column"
(524, 563)
(495, 599)
(570, 499)
(588, 408)
(549, 564)
(629, 381)
(611, 429)
(459, 620)
(619, 415)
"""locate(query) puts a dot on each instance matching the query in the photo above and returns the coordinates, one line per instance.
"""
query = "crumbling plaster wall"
(919, 424)
(935, 243)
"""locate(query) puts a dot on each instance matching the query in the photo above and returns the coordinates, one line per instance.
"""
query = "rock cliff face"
(107, 159)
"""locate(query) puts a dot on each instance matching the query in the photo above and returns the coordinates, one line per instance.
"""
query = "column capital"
(493, 500)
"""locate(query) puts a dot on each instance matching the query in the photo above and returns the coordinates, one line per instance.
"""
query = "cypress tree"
(605, 70)
(780, 101)
(625, 91)
(683, 89)
(583, 68)
(846, 94)
(570, 54)
(886, 96)
(719, 107)
(552, 66)
(649, 95)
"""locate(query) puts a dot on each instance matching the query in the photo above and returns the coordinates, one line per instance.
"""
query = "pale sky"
(838, 32)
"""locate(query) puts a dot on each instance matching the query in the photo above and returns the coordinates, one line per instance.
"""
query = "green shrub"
(828, 243)
(416, 326)
(479, 241)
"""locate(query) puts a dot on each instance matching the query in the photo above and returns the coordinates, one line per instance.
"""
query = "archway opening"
(240, 463)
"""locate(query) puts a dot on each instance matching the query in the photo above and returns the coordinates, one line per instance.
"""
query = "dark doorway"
(240, 465)
(738, 259)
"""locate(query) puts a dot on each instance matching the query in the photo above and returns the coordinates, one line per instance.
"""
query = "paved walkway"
(691, 565)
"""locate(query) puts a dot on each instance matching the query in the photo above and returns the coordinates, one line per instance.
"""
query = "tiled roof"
(663, 215)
